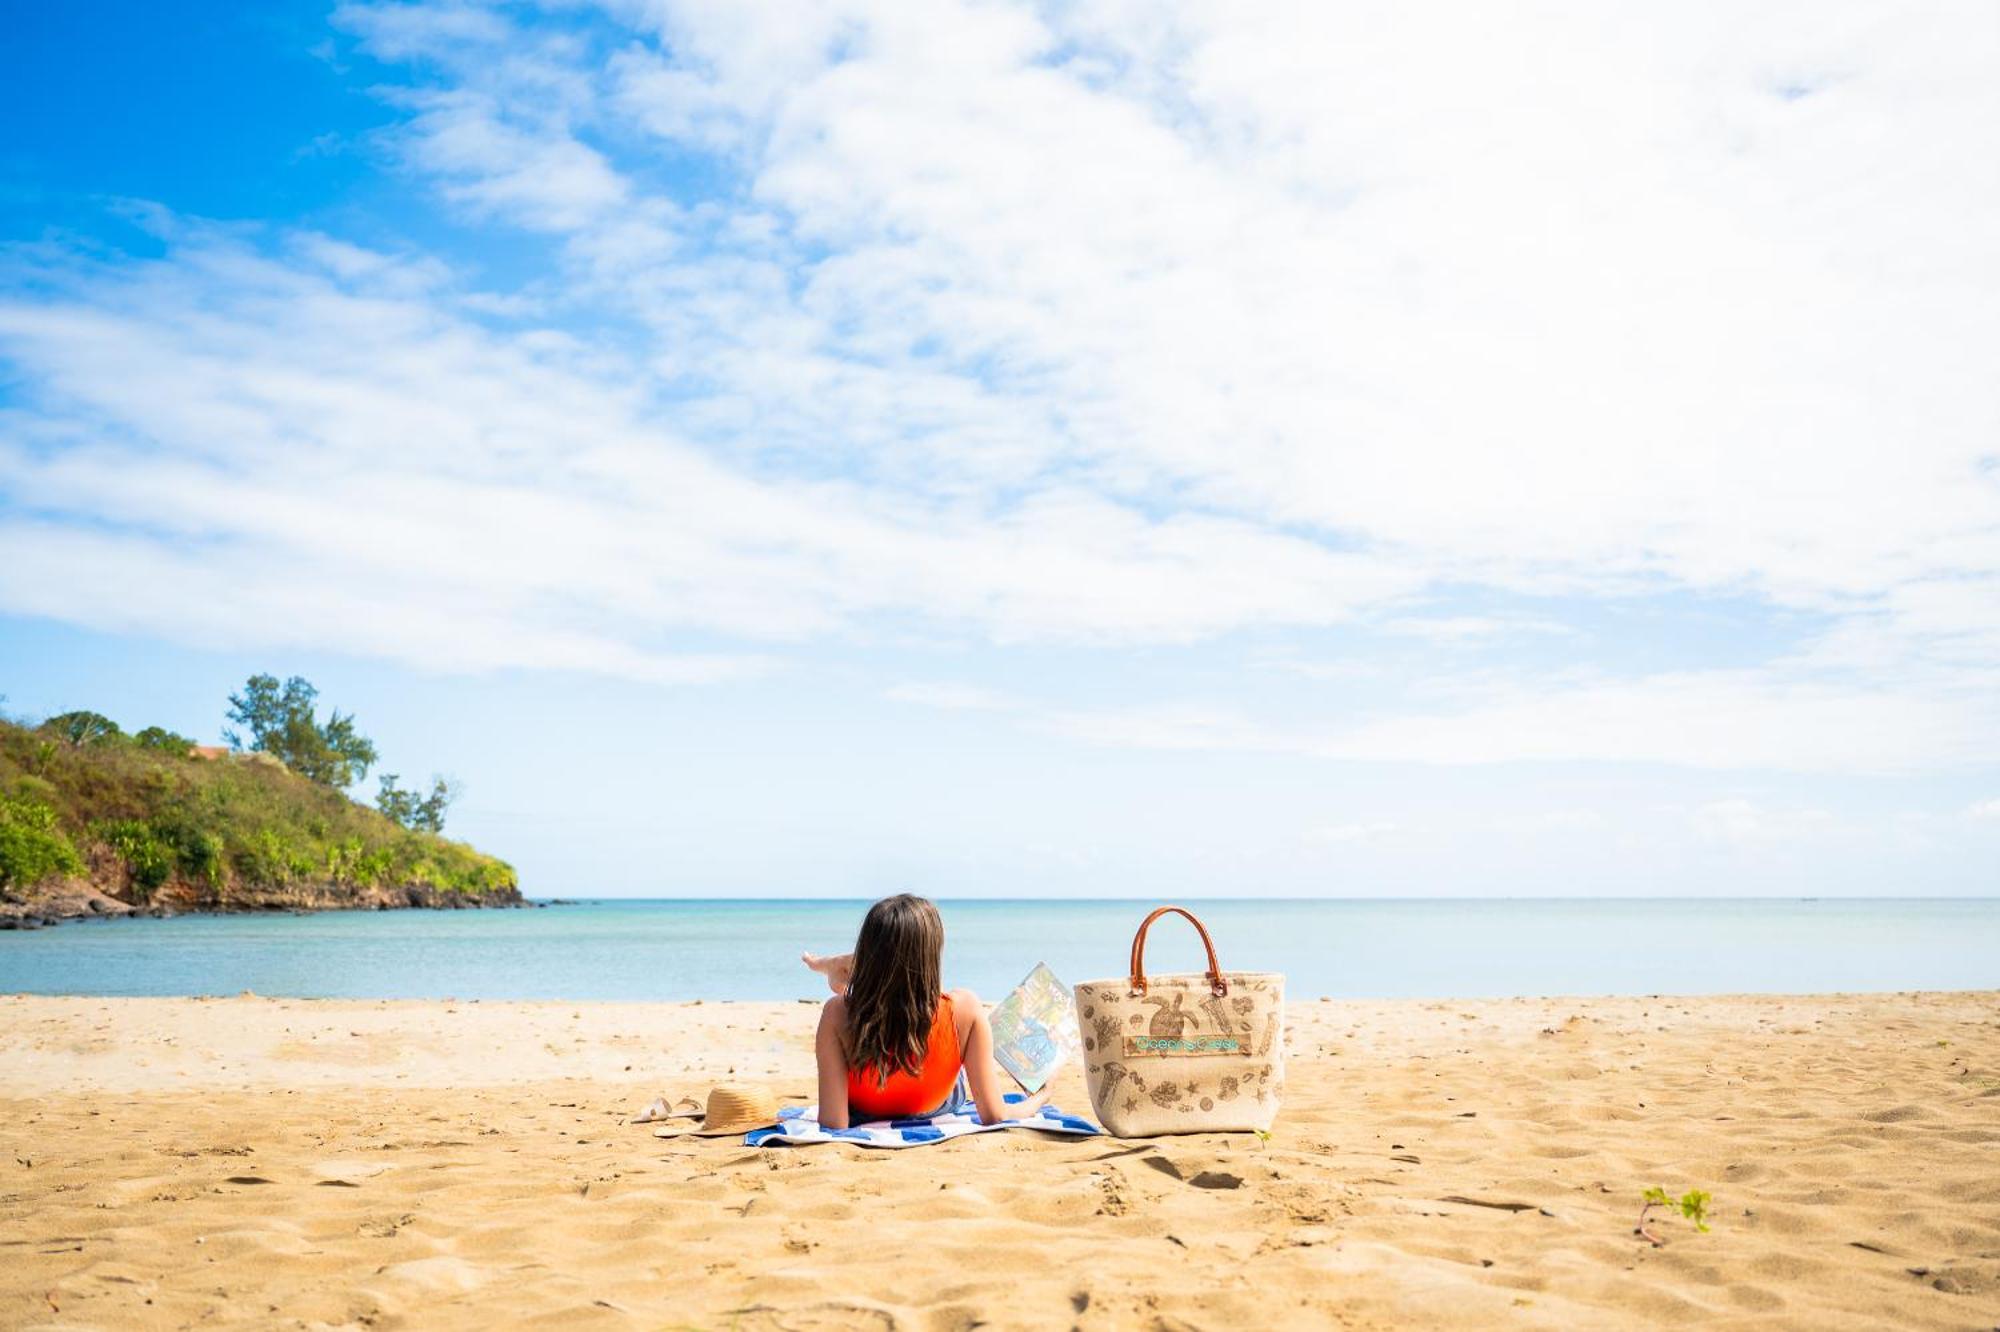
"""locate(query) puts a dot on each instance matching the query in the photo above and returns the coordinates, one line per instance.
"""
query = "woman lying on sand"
(892, 1044)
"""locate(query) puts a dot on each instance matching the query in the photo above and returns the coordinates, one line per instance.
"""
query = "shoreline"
(1294, 1005)
(295, 1162)
(247, 1041)
(46, 907)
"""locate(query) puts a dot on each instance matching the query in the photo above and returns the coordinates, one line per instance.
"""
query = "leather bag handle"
(1215, 981)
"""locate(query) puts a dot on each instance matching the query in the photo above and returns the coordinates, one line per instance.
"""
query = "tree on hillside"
(164, 741)
(281, 723)
(418, 813)
(78, 729)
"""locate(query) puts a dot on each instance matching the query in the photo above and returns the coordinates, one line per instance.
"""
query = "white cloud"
(1704, 319)
(1985, 810)
(1701, 720)
(1744, 823)
(1105, 324)
(1551, 820)
(1469, 628)
(1341, 834)
(948, 697)
(545, 180)
(289, 440)
(1281, 264)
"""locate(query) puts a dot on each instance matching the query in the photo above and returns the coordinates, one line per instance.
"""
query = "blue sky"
(1008, 450)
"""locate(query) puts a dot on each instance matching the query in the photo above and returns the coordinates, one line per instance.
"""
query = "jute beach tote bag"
(1192, 1053)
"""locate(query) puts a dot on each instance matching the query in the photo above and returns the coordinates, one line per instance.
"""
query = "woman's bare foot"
(837, 968)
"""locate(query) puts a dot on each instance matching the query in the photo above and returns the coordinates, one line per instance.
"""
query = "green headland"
(98, 821)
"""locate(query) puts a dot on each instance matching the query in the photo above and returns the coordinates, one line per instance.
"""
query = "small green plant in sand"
(1693, 1205)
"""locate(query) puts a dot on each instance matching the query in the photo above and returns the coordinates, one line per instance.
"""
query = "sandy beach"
(293, 1163)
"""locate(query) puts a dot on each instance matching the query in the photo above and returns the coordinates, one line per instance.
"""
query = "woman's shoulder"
(963, 999)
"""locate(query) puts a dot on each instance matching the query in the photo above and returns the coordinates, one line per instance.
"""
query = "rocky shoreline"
(79, 899)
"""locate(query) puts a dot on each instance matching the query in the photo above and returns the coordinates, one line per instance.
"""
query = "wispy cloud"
(236, 446)
(1341, 834)
(951, 697)
(1469, 628)
(1699, 720)
(1745, 823)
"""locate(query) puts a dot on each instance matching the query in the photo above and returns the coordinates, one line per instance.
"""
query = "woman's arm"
(989, 1085)
(832, 1064)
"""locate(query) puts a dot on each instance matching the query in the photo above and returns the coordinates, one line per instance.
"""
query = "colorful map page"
(1034, 1028)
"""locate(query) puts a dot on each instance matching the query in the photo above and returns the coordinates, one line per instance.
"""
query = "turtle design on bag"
(1169, 1024)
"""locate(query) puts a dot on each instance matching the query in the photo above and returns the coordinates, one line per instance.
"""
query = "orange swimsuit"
(904, 1095)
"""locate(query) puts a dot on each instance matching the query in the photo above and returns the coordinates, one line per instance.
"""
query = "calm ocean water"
(749, 950)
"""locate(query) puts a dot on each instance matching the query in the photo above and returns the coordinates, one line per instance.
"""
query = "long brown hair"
(893, 997)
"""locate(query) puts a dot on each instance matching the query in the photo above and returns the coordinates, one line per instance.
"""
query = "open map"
(1034, 1028)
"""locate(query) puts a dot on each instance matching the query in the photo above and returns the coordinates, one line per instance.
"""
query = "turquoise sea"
(686, 949)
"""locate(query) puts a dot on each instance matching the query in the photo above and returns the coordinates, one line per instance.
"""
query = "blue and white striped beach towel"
(797, 1126)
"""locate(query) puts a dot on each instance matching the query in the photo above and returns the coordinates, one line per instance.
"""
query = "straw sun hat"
(732, 1108)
